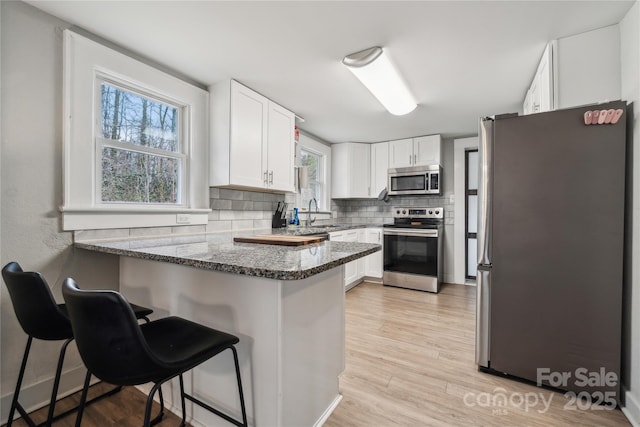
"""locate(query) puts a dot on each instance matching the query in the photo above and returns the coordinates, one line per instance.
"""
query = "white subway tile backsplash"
(245, 224)
(231, 194)
(149, 231)
(214, 226)
(115, 233)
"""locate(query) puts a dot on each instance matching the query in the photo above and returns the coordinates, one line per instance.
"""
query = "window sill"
(92, 218)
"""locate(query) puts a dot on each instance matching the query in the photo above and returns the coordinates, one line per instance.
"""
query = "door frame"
(459, 232)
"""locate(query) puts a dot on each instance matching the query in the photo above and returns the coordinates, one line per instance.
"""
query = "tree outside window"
(139, 140)
(314, 189)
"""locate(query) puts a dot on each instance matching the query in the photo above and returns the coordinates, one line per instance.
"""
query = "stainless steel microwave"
(415, 180)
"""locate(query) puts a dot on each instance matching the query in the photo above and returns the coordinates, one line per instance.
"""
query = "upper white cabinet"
(350, 175)
(401, 153)
(427, 150)
(379, 167)
(252, 140)
(540, 96)
(419, 151)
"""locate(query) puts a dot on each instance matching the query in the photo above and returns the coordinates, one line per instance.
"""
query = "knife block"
(277, 222)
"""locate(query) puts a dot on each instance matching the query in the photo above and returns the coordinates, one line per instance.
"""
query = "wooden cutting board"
(271, 239)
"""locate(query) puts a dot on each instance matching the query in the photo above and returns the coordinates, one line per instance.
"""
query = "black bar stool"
(41, 317)
(118, 350)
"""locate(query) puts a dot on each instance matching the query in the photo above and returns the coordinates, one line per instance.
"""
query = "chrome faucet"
(309, 220)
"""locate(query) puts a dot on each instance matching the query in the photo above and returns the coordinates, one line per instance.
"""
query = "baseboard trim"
(631, 408)
(35, 396)
(327, 413)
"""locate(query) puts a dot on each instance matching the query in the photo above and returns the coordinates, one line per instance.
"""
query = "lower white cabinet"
(373, 264)
(352, 269)
(369, 266)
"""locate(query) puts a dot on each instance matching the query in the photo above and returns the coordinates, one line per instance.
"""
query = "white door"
(401, 153)
(379, 167)
(359, 175)
(426, 150)
(373, 263)
(280, 151)
(351, 268)
(471, 214)
(248, 134)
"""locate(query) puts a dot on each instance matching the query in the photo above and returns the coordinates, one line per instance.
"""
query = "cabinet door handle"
(271, 177)
(266, 180)
(415, 159)
(409, 158)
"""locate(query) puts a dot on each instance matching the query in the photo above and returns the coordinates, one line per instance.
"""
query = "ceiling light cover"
(374, 69)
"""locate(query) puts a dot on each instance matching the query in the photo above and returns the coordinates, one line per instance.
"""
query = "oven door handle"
(416, 233)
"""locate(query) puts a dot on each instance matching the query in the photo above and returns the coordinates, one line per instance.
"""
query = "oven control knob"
(431, 212)
(398, 212)
(437, 212)
(404, 211)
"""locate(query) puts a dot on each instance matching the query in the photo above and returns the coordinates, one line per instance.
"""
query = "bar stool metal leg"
(244, 410)
(14, 402)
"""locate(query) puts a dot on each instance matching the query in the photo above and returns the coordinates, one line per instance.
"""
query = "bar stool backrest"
(36, 309)
(108, 336)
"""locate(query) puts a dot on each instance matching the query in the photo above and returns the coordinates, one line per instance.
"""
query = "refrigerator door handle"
(484, 190)
(483, 315)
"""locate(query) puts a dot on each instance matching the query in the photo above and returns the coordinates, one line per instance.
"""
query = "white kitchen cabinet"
(419, 151)
(369, 266)
(379, 167)
(361, 261)
(350, 268)
(540, 97)
(252, 140)
(350, 175)
(373, 264)
(427, 150)
(401, 153)
(281, 148)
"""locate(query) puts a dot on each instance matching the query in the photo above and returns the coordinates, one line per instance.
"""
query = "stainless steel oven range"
(413, 249)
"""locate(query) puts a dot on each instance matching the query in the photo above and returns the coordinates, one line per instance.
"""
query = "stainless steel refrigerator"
(550, 247)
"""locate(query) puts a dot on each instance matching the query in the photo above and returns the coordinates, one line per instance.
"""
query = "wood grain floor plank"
(411, 362)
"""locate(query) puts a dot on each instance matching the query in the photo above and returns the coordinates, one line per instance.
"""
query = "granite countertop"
(218, 252)
(321, 229)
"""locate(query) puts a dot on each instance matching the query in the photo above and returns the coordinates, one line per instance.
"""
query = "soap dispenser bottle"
(295, 220)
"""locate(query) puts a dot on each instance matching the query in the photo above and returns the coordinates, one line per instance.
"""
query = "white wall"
(589, 67)
(31, 188)
(630, 91)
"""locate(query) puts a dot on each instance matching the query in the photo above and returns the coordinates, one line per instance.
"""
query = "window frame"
(85, 60)
(182, 154)
(310, 144)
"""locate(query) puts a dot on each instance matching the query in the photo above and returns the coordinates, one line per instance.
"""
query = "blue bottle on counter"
(294, 219)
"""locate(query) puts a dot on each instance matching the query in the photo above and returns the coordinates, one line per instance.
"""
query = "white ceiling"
(461, 59)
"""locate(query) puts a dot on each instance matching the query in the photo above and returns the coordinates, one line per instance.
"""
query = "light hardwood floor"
(124, 409)
(409, 362)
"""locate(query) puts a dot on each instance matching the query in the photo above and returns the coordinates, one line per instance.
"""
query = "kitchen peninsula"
(285, 303)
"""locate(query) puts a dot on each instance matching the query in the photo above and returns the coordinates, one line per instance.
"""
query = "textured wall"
(32, 191)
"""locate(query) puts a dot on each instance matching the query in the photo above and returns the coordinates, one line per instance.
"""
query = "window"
(141, 159)
(135, 142)
(314, 189)
(316, 158)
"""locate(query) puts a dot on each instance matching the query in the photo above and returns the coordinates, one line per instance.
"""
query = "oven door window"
(409, 183)
(411, 254)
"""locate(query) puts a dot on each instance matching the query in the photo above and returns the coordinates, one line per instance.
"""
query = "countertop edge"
(229, 268)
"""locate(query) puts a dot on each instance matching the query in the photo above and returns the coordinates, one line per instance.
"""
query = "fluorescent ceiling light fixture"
(374, 69)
